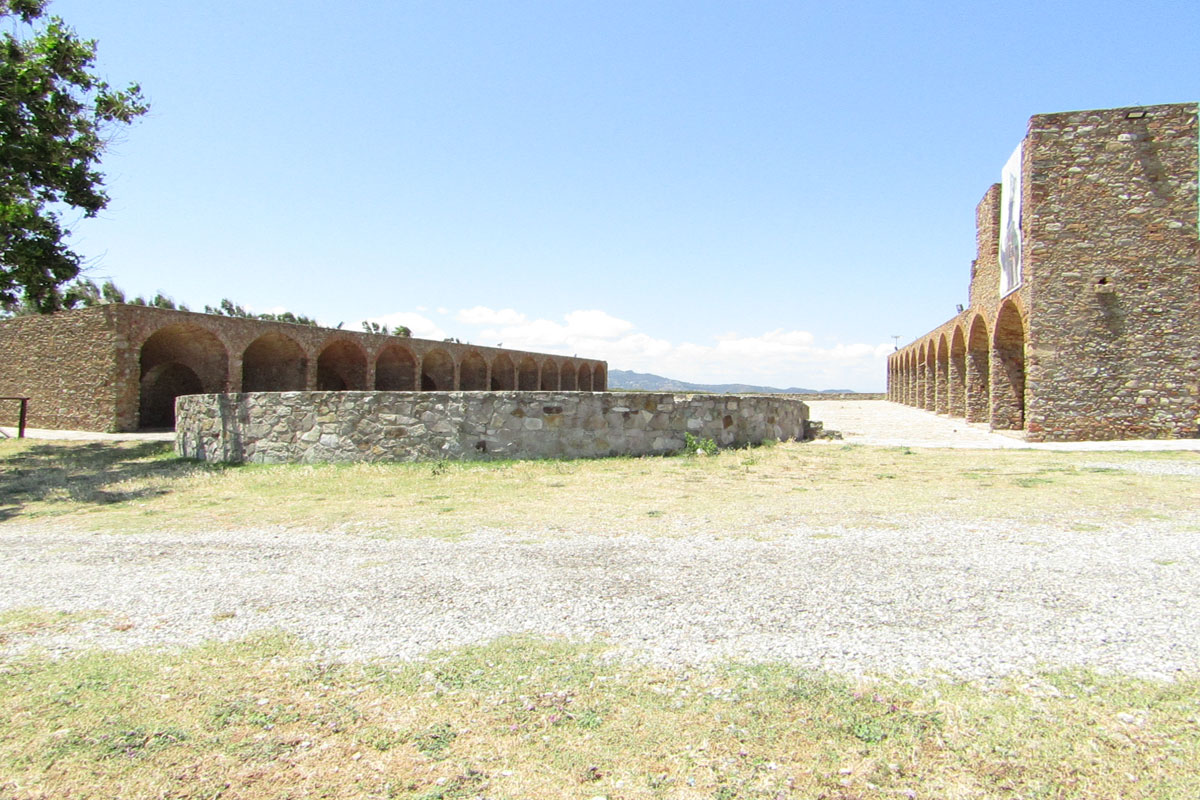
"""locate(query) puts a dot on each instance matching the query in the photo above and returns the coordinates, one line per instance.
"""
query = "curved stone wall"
(280, 427)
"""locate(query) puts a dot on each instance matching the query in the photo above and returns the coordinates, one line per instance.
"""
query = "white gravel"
(973, 600)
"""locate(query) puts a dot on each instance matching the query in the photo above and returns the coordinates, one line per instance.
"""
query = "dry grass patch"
(132, 487)
(524, 718)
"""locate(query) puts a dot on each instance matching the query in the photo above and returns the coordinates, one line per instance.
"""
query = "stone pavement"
(85, 436)
(879, 422)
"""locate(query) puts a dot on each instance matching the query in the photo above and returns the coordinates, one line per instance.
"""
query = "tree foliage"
(56, 120)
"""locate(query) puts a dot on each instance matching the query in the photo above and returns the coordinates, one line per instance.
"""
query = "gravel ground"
(970, 600)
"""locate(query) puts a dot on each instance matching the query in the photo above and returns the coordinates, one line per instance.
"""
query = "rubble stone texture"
(409, 426)
(121, 367)
(1102, 339)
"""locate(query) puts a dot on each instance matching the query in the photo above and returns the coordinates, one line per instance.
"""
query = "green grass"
(528, 717)
(140, 487)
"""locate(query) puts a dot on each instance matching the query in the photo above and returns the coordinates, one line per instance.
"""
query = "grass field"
(136, 487)
(537, 718)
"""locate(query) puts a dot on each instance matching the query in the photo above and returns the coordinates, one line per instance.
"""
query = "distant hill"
(645, 382)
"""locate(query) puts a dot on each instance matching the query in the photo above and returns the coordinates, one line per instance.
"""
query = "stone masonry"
(408, 426)
(121, 367)
(1101, 338)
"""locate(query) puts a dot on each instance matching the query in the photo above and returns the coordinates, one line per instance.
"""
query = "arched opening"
(568, 378)
(395, 370)
(549, 376)
(1008, 369)
(942, 383)
(174, 361)
(978, 372)
(473, 373)
(584, 381)
(437, 372)
(342, 366)
(599, 378)
(273, 363)
(910, 381)
(527, 375)
(957, 396)
(160, 386)
(504, 375)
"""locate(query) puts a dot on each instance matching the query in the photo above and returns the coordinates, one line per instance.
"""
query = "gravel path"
(972, 600)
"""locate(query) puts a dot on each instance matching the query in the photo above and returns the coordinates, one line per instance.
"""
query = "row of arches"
(974, 369)
(189, 359)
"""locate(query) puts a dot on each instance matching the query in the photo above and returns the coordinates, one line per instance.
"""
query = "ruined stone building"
(1084, 306)
(120, 367)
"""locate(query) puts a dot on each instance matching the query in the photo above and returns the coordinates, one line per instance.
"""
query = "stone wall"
(120, 367)
(66, 364)
(272, 427)
(1102, 339)
(1114, 314)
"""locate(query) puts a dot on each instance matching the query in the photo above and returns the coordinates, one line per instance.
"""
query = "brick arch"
(437, 371)
(979, 392)
(584, 378)
(1008, 367)
(342, 366)
(176, 360)
(550, 376)
(395, 369)
(941, 398)
(568, 378)
(929, 401)
(274, 362)
(956, 399)
(599, 378)
(527, 375)
(504, 374)
(473, 373)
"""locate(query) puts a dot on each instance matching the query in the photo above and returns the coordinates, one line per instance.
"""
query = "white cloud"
(779, 357)
(596, 324)
(481, 315)
(421, 326)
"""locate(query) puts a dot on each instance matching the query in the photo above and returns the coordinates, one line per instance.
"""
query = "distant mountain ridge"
(646, 382)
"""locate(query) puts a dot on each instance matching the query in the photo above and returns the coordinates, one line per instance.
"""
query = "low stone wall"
(278, 427)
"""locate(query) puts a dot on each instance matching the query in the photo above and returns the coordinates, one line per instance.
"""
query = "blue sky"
(718, 192)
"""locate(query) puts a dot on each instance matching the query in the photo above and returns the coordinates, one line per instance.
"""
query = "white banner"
(1010, 224)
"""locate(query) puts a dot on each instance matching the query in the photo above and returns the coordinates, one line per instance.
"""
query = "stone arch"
(342, 366)
(504, 374)
(584, 381)
(550, 375)
(1008, 368)
(437, 371)
(978, 372)
(942, 383)
(568, 378)
(395, 370)
(957, 394)
(473, 373)
(527, 375)
(599, 378)
(274, 363)
(176, 360)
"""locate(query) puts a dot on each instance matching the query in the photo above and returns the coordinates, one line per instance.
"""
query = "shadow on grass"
(96, 473)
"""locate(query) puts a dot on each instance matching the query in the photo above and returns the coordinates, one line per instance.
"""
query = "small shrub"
(694, 447)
